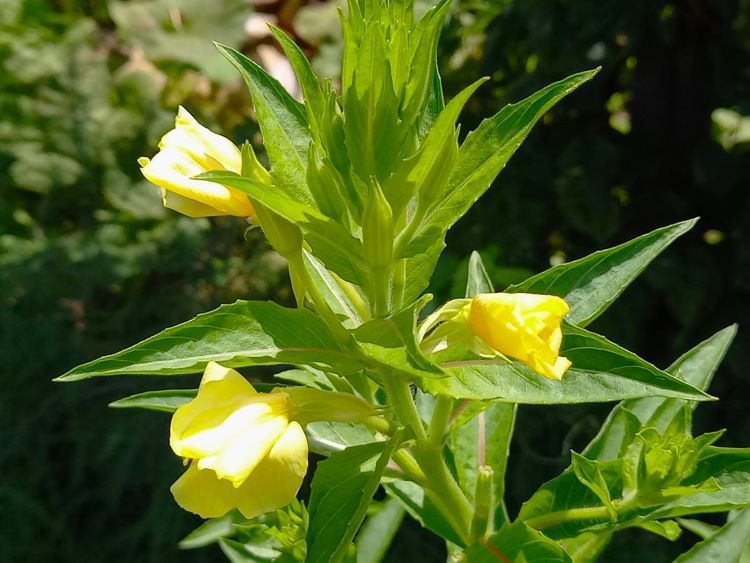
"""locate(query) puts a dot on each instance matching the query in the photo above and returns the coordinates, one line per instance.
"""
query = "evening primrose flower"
(247, 450)
(522, 326)
(187, 151)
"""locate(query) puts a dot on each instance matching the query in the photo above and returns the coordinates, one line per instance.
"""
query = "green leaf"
(695, 367)
(435, 101)
(427, 171)
(341, 300)
(330, 241)
(714, 460)
(483, 155)
(421, 508)
(590, 475)
(326, 437)
(341, 491)
(378, 532)
(517, 542)
(734, 493)
(168, 400)
(306, 77)
(591, 284)
(421, 70)
(211, 531)
(484, 440)
(478, 280)
(726, 545)
(245, 333)
(283, 123)
(668, 529)
(391, 342)
(602, 371)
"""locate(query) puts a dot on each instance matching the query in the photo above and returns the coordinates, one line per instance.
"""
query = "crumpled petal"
(202, 493)
(274, 482)
(228, 427)
(523, 326)
(187, 151)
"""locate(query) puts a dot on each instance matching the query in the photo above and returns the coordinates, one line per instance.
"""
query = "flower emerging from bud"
(522, 326)
(187, 151)
(245, 452)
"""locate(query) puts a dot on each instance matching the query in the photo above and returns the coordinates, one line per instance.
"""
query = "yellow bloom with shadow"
(187, 151)
(244, 448)
(522, 326)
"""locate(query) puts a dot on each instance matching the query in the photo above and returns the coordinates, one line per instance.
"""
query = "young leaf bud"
(377, 229)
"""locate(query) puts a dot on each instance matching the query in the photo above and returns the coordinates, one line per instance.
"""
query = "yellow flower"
(245, 450)
(186, 151)
(523, 326)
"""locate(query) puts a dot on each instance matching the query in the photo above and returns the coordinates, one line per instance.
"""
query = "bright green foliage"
(364, 182)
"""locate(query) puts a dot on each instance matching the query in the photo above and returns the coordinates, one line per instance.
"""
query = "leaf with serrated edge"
(602, 372)
(283, 123)
(245, 333)
(696, 367)
(591, 284)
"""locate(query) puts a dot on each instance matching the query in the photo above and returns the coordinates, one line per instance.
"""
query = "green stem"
(440, 486)
(380, 291)
(409, 466)
(554, 518)
(297, 263)
(441, 416)
(399, 392)
(354, 297)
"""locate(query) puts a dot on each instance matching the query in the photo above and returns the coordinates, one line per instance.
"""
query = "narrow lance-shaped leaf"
(517, 542)
(602, 371)
(167, 400)
(283, 123)
(421, 508)
(590, 285)
(483, 155)
(695, 367)
(378, 532)
(341, 491)
(726, 545)
(245, 333)
(308, 80)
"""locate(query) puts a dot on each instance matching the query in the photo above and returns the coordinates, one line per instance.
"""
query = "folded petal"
(245, 443)
(204, 425)
(202, 493)
(207, 148)
(276, 480)
(172, 170)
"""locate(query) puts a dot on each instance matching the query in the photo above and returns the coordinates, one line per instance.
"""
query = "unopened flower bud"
(377, 229)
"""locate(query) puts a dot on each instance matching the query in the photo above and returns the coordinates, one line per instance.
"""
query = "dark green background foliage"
(90, 262)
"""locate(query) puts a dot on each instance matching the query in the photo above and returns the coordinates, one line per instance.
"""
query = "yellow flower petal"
(522, 326)
(171, 170)
(187, 206)
(276, 480)
(207, 148)
(202, 493)
(187, 151)
(247, 442)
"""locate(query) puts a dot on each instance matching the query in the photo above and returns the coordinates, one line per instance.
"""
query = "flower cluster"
(248, 450)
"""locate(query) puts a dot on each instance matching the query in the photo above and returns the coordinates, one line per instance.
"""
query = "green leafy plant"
(362, 187)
